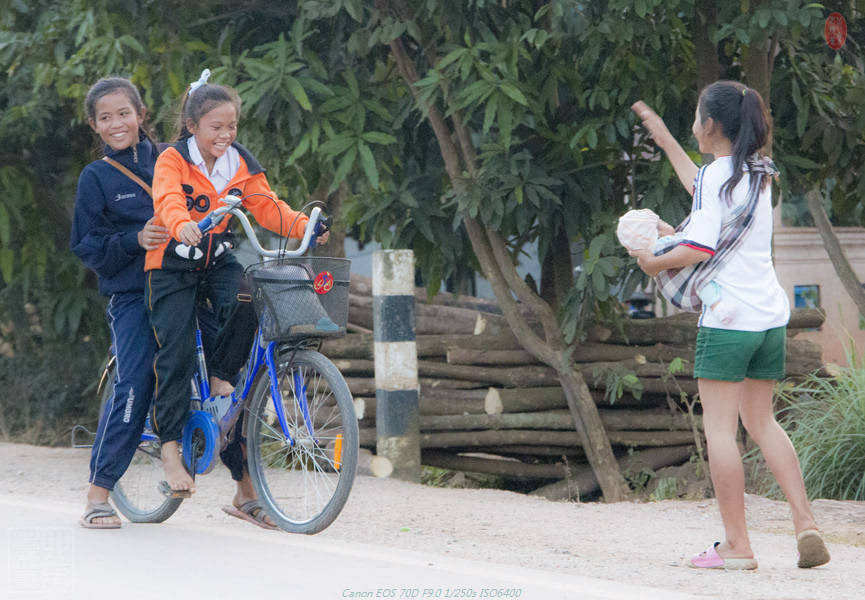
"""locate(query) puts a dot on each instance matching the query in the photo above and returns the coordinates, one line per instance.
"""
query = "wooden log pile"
(488, 406)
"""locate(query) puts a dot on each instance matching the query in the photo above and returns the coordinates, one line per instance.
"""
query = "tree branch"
(836, 253)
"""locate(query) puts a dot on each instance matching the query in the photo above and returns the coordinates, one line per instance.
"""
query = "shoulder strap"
(129, 174)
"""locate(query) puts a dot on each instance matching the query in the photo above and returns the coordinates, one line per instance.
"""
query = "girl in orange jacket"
(192, 178)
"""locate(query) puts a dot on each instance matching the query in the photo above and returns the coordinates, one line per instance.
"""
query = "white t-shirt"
(751, 297)
(224, 168)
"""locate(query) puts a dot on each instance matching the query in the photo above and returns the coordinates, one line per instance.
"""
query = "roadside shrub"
(825, 418)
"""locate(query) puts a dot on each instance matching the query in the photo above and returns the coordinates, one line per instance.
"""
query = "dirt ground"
(638, 543)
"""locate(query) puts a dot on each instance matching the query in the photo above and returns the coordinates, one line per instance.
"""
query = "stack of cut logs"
(488, 406)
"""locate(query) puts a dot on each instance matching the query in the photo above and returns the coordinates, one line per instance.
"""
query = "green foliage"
(825, 418)
(543, 89)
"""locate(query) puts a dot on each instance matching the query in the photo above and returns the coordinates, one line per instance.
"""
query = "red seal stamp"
(835, 31)
(323, 282)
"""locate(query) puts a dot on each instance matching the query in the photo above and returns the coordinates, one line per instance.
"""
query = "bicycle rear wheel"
(304, 485)
(136, 494)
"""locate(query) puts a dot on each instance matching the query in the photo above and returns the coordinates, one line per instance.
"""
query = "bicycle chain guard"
(203, 424)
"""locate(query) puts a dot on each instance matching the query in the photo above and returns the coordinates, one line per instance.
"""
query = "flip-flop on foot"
(710, 559)
(812, 550)
(251, 511)
(169, 492)
(100, 510)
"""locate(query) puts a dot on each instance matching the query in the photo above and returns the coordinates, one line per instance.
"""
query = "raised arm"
(685, 168)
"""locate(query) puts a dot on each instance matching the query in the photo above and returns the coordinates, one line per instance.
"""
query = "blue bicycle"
(299, 421)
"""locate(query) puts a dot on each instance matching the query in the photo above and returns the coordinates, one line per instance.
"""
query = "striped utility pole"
(396, 384)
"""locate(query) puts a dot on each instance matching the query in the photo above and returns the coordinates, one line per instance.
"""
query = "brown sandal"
(251, 511)
(812, 550)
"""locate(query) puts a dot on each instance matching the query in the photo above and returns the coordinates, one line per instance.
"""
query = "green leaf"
(298, 92)
(801, 162)
(450, 57)
(378, 137)
(354, 8)
(337, 103)
(5, 226)
(337, 146)
(490, 112)
(513, 93)
(345, 166)
(367, 162)
(300, 149)
(7, 264)
(506, 119)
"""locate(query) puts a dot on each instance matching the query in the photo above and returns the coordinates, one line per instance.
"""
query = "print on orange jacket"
(182, 193)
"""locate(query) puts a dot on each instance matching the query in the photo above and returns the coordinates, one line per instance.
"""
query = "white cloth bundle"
(638, 229)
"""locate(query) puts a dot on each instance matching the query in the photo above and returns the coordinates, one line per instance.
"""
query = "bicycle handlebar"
(233, 207)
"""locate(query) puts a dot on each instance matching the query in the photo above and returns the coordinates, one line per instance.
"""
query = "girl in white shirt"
(740, 353)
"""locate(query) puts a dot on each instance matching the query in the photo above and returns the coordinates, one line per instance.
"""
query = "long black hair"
(744, 120)
(201, 101)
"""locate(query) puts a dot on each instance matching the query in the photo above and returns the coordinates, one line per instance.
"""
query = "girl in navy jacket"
(111, 231)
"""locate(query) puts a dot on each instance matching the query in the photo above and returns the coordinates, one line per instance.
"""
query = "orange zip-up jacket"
(182, 193)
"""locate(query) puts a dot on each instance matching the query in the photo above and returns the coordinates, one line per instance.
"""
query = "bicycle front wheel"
(303, 483)
(136, 495)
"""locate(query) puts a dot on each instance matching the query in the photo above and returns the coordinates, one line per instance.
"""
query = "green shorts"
(728, 355)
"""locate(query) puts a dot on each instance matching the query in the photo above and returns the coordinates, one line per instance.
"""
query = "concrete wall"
(801, 259)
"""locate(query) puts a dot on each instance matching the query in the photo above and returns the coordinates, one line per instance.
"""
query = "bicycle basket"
(300, 297)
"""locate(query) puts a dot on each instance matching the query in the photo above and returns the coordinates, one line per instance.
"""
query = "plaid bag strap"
(681, 286)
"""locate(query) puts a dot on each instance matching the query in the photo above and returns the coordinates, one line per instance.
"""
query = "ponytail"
(744, 120)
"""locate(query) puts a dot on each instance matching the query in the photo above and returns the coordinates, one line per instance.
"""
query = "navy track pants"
(122, 421)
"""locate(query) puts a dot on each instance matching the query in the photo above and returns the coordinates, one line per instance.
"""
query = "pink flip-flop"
(710, 559)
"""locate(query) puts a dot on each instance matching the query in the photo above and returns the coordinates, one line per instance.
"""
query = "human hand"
(653, 123)
(321, 240)
(152, 236)
(665, 228)
(646, 260)
(190, 234)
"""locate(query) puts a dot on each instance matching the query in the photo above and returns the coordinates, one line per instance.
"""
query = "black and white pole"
(396, 382)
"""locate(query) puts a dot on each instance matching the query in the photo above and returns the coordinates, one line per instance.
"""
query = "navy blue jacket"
(110, 210)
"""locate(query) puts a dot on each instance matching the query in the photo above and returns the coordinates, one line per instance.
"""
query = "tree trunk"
(852, 283)
(435, 402)
(434, 318)
(496, 466)
(460, 356)
(336, 244)
(557, 270)
(584, 482)
(705, 51)
(537, 437)
(499, 270)
(614, 420)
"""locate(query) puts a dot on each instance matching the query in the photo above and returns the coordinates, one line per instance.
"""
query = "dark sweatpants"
(171, 298)
(122, 420)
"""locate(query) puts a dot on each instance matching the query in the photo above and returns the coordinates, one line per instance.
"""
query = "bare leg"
(175, 471)
(98, 495)
(759, 420)
(720, 400)
(246, 493)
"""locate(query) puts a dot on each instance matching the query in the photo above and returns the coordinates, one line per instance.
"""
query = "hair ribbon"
(202, 80)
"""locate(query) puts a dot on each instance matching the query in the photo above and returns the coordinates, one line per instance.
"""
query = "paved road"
(46, 555)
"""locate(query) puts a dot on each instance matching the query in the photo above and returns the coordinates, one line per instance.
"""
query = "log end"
(360, 408)
(493, 402)
(380, 467)
(480, 324)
